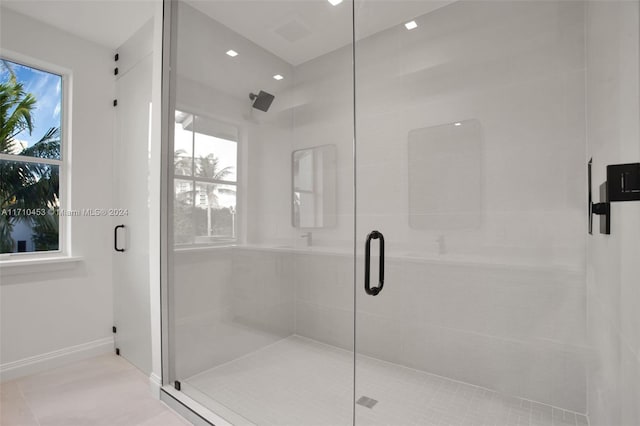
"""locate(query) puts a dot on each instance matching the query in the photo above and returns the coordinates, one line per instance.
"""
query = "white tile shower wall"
(201, 298)
(263, 292)
(518, 330)
(613, 108)
(518, 69)
(228, 302)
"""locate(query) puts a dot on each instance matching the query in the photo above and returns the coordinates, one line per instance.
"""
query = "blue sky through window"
(47, 89)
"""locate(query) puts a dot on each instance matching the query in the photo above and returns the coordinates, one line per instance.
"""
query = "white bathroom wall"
(65, 308)
(613, 113)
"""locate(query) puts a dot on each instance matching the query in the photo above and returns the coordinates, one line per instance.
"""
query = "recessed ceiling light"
(232, 53)
(457, 124)
(335, 2)
(278, 77)
(411, 25)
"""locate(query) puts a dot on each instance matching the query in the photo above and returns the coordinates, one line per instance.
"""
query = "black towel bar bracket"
(622, 184)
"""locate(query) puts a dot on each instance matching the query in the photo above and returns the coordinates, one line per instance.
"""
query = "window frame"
(195, 180)
(64, 163)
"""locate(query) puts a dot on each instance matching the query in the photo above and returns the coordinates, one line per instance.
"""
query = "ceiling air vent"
(293, 31)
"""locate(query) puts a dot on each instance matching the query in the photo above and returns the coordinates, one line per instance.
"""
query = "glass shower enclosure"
(376, 211)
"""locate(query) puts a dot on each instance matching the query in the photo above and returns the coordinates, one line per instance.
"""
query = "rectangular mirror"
(313, 173)
(445, 176)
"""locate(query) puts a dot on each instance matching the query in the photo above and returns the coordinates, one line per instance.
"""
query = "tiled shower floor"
(301, 382)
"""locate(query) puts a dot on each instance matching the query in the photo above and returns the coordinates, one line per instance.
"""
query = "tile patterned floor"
(300, 382)
(105, 390)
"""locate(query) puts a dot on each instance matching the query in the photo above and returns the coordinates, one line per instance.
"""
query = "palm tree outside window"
(205, 181)
(31, 163)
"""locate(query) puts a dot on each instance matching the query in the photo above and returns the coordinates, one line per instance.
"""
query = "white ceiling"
(294, 30)
(106, 22)
(299, 30)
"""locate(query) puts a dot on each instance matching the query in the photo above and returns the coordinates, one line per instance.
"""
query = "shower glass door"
(381, 231)
(470, 154)
(261, 210)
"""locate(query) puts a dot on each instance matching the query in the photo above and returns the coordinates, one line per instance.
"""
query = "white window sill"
(37, 265)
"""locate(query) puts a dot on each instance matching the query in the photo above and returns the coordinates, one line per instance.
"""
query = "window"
(31, 163)
(205, 180)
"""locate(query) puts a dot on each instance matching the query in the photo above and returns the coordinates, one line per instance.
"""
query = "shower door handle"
(115, 238)
(373, 235)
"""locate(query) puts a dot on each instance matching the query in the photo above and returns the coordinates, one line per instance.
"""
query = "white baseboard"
(38, 363)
